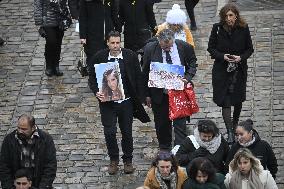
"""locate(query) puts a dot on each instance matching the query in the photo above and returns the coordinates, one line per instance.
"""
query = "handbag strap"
(82, 56)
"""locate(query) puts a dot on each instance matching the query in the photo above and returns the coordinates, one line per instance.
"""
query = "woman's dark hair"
(246, 125)
(201, 164)
(231, 7)
(166, 156)
(23, 173)
(207, 126)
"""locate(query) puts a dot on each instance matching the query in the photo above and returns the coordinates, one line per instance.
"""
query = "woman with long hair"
(247, 137)
(165, 173)
(111, 86)
(246, 172)
(202, 174)
(230, 45)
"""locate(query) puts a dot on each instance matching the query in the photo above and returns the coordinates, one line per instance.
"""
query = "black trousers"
(189, 5)
(53, 46)
(111, 112)
(163, 125)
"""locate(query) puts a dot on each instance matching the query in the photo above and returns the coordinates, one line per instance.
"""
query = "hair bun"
(250, 122)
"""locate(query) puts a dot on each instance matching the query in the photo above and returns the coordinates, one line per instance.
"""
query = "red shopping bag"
(182, 103)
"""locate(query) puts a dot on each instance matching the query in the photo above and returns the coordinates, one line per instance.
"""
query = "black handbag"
(82, 65)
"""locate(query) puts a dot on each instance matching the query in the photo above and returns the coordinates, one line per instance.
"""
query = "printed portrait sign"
(109, 81)
(167, 76)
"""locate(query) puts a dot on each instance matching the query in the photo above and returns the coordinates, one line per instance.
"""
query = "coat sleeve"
(83, 20)
(270, 182)
(190, 62)
(92, 74)
(121, 19)
(6, 176)
(146, 69)
(189, 37)
(185, 152)
(272, 165)
(38, 14)
(230, 156)
(150, 16)
(50, 164)
(212, 44)
(227, 180)
(138, 77)
(74, 8)
(249, 47)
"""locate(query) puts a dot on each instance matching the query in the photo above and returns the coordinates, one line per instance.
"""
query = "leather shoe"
(49, 72)
(128, 168)
(57, 72)
(113, 167)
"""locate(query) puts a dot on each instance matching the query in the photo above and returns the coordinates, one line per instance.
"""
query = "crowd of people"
(204, 159)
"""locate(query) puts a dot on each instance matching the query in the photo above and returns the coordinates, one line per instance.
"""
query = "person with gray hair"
(167, 50)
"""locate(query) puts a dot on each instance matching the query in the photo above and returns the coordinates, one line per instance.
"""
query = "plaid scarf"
(161, 180)
(27, 156)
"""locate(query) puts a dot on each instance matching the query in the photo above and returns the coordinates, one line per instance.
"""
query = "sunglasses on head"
(164, 155)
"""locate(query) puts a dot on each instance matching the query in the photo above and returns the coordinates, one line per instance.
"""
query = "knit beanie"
(176, 15)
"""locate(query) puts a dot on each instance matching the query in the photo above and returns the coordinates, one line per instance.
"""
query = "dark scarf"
(172, 178)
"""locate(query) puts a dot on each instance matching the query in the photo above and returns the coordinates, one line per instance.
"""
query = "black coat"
(139, 21)
(96, 20)
(133, 82)
(216, 183)
(260, 149)
(237, 43)
(153, 53)
(45, 160)
(187, 152)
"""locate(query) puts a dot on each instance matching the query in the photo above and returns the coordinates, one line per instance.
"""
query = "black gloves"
(42, 32)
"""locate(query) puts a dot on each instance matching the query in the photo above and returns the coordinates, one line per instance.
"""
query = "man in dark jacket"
(179, 53)
(139, 22)
(123, 110)
(96, 19)
(30, 148)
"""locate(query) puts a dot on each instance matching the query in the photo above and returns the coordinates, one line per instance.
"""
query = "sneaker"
(113, 167)
(128, 168)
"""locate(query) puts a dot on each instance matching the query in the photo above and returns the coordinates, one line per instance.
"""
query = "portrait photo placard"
(109, 81)
(167, 76)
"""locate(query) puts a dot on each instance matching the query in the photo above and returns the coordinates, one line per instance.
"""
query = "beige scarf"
(253, 180)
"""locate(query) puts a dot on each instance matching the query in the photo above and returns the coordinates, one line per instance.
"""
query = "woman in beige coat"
(246, 172)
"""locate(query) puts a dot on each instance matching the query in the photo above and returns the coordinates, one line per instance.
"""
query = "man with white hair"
(166, 50)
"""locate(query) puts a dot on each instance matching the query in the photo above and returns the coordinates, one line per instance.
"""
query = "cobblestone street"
(67, 109)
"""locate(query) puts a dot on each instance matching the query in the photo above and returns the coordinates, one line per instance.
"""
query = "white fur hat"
(176, 15)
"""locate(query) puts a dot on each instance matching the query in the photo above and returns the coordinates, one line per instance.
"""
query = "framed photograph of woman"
(109, 81)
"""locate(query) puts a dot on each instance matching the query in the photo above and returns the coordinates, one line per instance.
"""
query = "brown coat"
(152, 183)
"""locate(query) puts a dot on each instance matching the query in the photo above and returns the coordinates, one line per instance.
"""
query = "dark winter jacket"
(238, 42)
(260, 149)
(187, 152)
(216, 183)
(47, 13)
(139, 21)
(97, 18)
(45, 161)
(133, 78)
(74, 6)
(153, 53)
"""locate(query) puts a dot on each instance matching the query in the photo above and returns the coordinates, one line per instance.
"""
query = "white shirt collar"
(116, 57)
